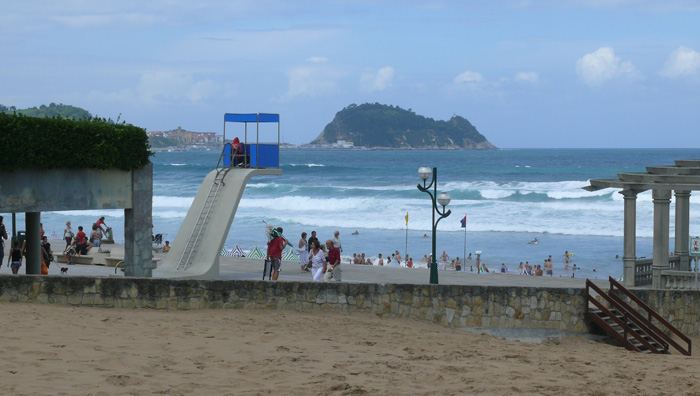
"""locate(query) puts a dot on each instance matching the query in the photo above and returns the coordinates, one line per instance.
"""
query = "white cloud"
(102, 20)
(469, 78)
(603, 65)
(162, 87)
(315, 80)
(682, 62)
(317, 59)
(378, 81)
(527, 77)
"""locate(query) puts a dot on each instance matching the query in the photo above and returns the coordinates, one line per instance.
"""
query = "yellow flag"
(406, 218)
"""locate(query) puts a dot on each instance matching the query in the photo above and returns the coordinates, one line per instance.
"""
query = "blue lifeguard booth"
(253, 153)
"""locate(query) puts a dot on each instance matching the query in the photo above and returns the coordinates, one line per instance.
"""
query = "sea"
(509, 197)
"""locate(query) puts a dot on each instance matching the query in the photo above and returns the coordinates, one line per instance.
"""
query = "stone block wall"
(447, 305)
(681, 308)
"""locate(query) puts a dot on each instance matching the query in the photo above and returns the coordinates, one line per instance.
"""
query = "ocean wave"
(307, 165)
(172, 202)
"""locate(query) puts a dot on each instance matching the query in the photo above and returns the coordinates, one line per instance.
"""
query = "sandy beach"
(58, 350)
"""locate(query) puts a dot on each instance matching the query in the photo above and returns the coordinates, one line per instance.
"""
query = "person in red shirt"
(80, 236)
(274, 253)
(332, 268)
(101, 222)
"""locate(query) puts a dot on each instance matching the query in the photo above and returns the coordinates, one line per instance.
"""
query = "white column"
(662, 205)
(630, 237)
(682, 238)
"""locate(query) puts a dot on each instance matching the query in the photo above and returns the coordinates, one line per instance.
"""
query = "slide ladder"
(631, 328)
(204, 215)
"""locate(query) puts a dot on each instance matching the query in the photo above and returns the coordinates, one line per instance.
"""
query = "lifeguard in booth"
(237, 152)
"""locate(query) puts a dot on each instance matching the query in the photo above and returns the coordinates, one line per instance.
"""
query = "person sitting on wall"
(81, 242)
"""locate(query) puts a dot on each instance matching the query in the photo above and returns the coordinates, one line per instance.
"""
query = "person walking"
(3, 238)
(313, 238)
(303, 251)
(336, 241)
(331, 269)
(68, 234)
(317, 260)
(274, 252)
(15, 257)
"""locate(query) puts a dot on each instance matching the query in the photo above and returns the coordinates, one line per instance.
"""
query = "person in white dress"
(303, 252)
(68, 234)
(316, 259)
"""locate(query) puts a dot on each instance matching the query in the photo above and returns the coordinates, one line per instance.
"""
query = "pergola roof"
(684, 176)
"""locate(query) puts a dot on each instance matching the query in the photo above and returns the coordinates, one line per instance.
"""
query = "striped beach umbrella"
(256, 253)
(237, 252)
(291, 255)
(224, 252)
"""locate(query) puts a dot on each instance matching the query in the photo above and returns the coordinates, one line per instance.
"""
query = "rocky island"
(385, 126)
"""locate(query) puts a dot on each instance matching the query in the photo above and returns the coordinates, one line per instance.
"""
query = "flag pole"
(464, 257)
(405, 252)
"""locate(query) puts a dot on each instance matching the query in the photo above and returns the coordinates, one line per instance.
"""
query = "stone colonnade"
(661, 199)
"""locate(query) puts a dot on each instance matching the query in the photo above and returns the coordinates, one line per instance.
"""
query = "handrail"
(621, 338)
(623, 324)
(645, 325)
(221, 157)
(651, 313)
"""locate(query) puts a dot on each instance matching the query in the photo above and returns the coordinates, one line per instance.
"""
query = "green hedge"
(53, 143)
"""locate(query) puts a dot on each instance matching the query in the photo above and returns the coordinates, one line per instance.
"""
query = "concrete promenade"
(251, 269)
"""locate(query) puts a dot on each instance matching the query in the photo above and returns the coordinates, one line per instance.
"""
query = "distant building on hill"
(190, 139)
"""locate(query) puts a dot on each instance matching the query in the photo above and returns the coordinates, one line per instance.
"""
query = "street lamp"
(443, 199)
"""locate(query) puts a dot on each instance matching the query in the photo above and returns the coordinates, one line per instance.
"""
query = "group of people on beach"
(547, 268)
(76, 244)
(17, 253)
(79, 244)
(322, 260)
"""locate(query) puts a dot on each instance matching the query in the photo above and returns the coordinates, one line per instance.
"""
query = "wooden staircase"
(627, 325)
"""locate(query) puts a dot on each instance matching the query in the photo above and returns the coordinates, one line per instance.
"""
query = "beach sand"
(59, 350)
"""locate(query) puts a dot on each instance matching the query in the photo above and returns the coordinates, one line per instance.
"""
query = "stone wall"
(681, 308)
(450, 306)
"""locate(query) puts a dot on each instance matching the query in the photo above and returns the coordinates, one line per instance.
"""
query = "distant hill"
(162, 142)
(384, 126)
(52, 110)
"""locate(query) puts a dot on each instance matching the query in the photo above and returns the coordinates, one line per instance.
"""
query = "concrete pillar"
(32, 221)
(138, 225)
(682, 238)
(662, 205)
(630, 237)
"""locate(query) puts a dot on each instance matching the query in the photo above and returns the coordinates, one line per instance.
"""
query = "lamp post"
(443, 199)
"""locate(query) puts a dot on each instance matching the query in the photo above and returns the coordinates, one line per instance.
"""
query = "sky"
(527, 74)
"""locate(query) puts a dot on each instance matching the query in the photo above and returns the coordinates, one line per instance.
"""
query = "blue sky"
(568, 73)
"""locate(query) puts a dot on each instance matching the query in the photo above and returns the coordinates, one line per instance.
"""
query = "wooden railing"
(658, 334)
(622, 322)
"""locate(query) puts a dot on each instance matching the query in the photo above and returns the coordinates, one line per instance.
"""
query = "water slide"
(197, 247)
